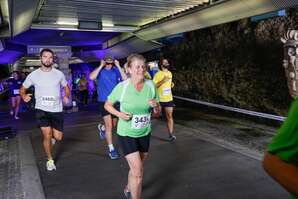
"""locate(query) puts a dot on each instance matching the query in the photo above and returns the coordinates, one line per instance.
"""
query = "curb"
(30, 178)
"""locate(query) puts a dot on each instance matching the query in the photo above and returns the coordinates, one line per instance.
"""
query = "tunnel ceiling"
(112, 22)
(56, 22)
(111, 13)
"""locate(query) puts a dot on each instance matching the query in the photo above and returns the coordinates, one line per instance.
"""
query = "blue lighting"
(280, 13)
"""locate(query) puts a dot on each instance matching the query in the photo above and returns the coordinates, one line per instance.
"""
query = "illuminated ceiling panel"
(131, 13)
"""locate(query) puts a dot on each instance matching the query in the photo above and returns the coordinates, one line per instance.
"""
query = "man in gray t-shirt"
(47, 82)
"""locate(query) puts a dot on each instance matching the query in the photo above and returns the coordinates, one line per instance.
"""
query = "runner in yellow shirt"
(164, 84)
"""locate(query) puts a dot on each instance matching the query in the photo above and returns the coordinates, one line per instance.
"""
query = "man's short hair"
(46, 50)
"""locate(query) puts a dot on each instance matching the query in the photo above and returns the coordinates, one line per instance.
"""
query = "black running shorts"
(50, 119)
(167, 104)
(103, 112)
(131, 145)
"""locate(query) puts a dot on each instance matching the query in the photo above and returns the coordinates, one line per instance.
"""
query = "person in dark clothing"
(14, 85)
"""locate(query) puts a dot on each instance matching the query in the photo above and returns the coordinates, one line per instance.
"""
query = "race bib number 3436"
(140, 121)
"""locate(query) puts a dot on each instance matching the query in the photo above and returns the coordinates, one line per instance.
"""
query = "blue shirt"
(153, 71)
(106, 81)
(14, 86)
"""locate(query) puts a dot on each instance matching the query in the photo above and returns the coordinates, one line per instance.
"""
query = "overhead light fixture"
(32, 60)
(115, 28)
(67, 21)
(90, 25)
(120, 28)
(108, 25)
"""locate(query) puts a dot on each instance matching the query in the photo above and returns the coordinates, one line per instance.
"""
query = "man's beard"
(166, 66)
(47, 65)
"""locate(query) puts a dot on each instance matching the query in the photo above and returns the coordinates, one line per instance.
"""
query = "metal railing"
(238, 110)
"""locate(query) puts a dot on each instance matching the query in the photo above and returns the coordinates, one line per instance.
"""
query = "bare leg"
(135, 174)
(58, 135)
(108, 126)
(12, 105)
(115, 122)
(170, 121)
(17, 106)
(47, 145)
(143, 158)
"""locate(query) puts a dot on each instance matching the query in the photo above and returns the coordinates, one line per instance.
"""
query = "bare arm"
(285, 174)
(24, 96)
(66, 94)
(156, 108)
(161, 82)
(66, 91)
(110, 108)
(95, 72)
(123, 75)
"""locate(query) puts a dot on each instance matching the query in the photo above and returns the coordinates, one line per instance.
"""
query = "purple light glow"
(84, 68)
(62, 37)
(10, 56)
(91, 56)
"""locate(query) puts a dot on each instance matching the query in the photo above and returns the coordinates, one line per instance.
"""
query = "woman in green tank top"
(137, 98)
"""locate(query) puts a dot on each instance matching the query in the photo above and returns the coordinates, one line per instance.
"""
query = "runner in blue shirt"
(14, 85)
(108, 75)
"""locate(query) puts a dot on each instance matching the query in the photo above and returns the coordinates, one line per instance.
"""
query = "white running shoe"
(51, 165)
(53, 140)
(172, 138)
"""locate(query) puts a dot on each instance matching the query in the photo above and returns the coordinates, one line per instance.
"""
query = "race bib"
(140, 121)
(48, 101)
(16, 91)
(166, 91)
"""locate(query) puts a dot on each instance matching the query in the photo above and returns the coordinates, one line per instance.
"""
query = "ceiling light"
(67, 21)
(108, 25)
(90, 25)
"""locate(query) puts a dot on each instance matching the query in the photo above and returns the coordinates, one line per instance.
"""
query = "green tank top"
(135, 103)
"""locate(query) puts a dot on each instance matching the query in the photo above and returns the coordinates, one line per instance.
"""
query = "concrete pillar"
(62, 61)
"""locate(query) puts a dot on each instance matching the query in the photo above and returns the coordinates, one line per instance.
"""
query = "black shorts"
(131, 145)
(103, 112)
(167, 104)
(52, 119)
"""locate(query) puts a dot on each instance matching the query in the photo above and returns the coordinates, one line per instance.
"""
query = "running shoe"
(102, 131)
(51, 165)
(53, 140)
(172, 138)
(127, 193)
(113, 154)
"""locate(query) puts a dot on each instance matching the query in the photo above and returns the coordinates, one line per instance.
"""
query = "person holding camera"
(108, 75)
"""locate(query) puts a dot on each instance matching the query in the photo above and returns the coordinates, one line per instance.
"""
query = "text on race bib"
(48, 101)
(140, 121)
(16, 91)
(166, 91)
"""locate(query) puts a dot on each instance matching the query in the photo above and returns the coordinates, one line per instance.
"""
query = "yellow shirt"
(165, 90)
(83, 84)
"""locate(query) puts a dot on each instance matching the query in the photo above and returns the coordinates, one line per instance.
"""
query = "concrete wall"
(237, 64)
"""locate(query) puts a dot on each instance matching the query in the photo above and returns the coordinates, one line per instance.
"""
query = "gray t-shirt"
(47, 89)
